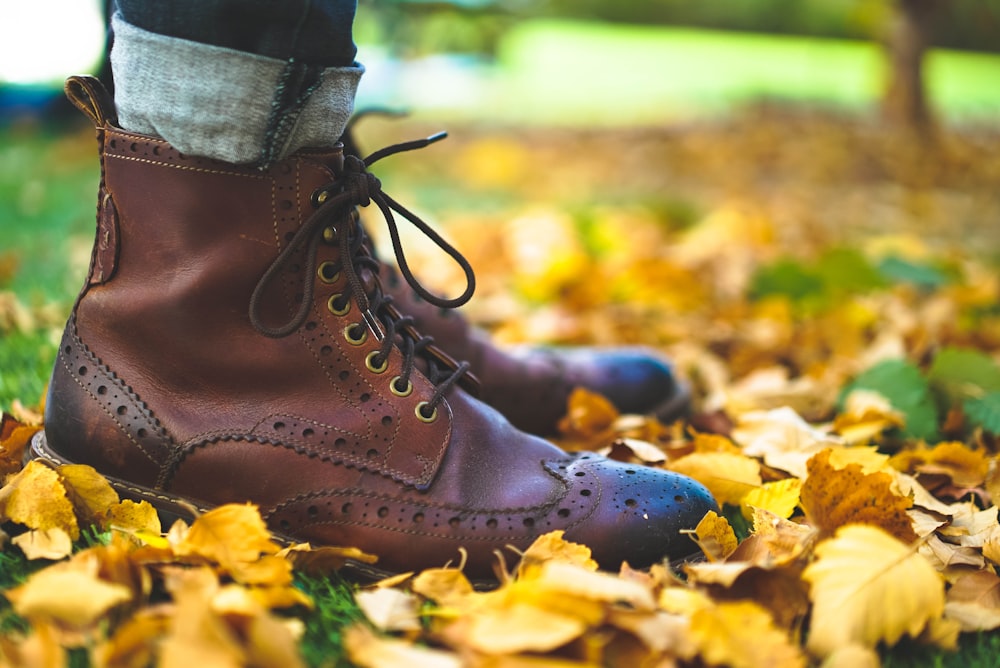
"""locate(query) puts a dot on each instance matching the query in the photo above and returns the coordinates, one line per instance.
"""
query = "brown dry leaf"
(944, 556)
(727, 476)
(867, 588)
(974, 601)
(715, 536)
(784, 541)
(36, 498)
(69, 593)
(367, 650)
(54, 544)
(780, 498)
(742, 635)
(14, 438)
(832, 498)
(634, 451)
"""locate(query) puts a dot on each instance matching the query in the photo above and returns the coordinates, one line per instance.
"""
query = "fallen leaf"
(36, 498)
(727, 476)
(867, 587)
(367, 650)
(51, 544)
(780, 497)
(742, 635)
(715, 536)
(14, 438)
(231, 536)
(390, 609)
(833, 498)
(68, 593)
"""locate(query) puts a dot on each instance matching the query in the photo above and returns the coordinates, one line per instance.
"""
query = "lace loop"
(356, 186)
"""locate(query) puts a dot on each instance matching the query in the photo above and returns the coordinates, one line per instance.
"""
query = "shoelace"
(356, 186)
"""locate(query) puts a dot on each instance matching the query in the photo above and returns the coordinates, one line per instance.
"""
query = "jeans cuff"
(225, 104)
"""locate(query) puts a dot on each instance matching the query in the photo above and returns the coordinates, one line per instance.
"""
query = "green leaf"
(959, 373)
(787, 278)
(924, 276)
(985, 411)
(848, 270)
(908, 392)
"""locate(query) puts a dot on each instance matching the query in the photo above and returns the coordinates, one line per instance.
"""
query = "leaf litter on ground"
(845, 418)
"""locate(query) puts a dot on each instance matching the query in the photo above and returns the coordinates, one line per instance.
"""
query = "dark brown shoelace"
(356, 186)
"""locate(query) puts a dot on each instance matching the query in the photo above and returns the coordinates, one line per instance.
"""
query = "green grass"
(572, 72)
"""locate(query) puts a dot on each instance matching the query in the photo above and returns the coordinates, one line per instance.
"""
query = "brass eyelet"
(319, 196)
(330, 235)
(331, 304)
(405, 392)
(352, 328)
(376, 368)
(419, 410)
(326, 273)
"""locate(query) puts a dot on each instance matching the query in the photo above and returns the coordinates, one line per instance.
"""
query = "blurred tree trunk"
(905, 103)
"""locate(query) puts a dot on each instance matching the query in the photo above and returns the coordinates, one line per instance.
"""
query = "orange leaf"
(833, 498)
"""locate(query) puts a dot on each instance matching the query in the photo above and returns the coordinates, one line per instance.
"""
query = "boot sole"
(171, 508)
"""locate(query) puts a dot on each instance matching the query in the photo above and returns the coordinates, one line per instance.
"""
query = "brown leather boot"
(232, 344)
(531, 385)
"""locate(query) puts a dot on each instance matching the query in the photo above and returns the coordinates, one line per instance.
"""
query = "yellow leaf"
(134, 642)
(231, 536)
(36, 498)
(197, 636)
(69, 593)
(445, 586)
(867, 587)
(367, 650)
(560, 579)
(780, 497)
(551, 546)
(589, 419)
(727, 476)
(14, 438)
(742, 635)
(51, 544)
(833, 498)
(325, 559)
(683, 600)
(90, 492)
(964, 466)
(868, 458)
(521, 627)
(852, 656)
(715, 536)
(139, 518)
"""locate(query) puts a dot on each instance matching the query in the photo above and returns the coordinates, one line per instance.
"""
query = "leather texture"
(531, 385)
(164, 384)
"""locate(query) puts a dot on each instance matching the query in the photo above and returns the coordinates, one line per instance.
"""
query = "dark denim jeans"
(312, 32)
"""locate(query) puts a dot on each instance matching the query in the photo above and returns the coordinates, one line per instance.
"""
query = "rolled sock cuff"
(229, 105)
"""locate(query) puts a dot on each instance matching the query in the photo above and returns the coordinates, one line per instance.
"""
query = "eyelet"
(330, 235)
(419, 411)
(331, 304)
(405, 392)
(319, 196)
(355, 327)
(376, 368)
(326, 272)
